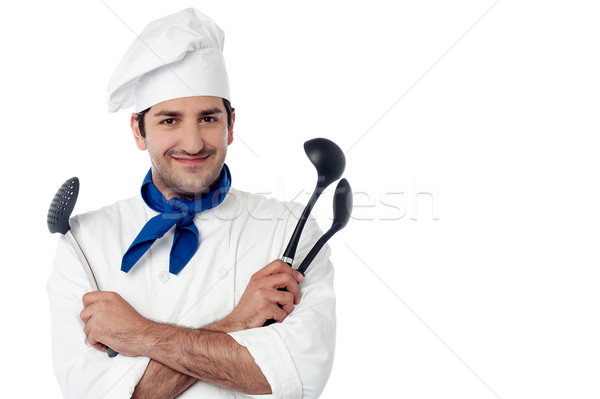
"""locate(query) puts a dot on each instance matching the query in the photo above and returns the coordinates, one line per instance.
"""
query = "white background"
(490, 109)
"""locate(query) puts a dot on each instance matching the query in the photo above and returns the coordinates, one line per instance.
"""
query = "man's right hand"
(271, 294)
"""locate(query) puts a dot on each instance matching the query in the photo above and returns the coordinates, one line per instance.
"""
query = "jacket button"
(164, 276)
(221, 273)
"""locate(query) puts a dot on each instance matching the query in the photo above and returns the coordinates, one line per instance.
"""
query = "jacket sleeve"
(81, 370)
(296, 356)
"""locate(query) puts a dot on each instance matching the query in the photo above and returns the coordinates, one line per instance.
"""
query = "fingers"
(271, 293)
(285, 300)
(99, 346)
(87, 329)
(278, 275)
(278, 314)
(91, 297)
(275, 305)
(93, 303)
(274, 283)
(95, 296)
(85, 314)
(92, 341)
(285, 282)
(279, 266)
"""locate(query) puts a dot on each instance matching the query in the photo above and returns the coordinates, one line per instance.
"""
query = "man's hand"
(112, 321)
(264, 298)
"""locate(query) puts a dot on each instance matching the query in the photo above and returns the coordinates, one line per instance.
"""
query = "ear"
(135, 128)
(230, 133)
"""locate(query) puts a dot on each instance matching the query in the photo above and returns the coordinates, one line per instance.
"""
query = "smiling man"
(189, 269)
(187, 140)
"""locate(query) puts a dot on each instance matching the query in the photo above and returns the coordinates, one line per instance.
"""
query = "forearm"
(161, 382)
(210, 356)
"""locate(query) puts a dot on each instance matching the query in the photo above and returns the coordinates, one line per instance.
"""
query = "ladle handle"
(317, 247)
(290, 250)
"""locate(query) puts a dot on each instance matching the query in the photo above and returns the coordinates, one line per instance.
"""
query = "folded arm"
(295, 357)
(181, 355)
(160, 381)
(209, 356)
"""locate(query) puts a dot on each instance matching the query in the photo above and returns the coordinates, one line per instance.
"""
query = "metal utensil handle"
(88, 272)
(83, 260)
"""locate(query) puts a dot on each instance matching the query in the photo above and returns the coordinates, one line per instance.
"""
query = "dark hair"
(228, 108)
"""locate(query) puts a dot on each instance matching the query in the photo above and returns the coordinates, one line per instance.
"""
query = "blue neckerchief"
(177, 212)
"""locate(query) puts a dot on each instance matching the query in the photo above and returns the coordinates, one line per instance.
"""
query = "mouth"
(191, 160)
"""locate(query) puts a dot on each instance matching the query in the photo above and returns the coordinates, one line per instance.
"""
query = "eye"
(208, 119)
(169, 121)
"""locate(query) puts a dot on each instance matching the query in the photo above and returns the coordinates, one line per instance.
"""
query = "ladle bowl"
(329, 161)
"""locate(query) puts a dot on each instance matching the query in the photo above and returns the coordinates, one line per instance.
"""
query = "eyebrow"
(177, 114)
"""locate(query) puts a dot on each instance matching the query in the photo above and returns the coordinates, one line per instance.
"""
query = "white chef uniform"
(237, 238)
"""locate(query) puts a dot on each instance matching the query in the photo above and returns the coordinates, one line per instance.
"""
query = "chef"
(189, 269)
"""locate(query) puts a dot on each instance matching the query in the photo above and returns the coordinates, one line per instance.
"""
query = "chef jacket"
(237, 238)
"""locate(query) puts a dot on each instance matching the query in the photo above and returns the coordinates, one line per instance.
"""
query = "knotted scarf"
(178, 212)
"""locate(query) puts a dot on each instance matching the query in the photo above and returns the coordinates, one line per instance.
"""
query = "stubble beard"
(195, 183)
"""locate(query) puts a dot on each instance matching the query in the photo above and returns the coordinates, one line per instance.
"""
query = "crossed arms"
(293, 357)
(180, 356)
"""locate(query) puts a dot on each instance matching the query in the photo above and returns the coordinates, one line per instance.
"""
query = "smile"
(191, 160)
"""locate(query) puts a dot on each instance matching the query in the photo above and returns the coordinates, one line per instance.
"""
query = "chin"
(193, 190)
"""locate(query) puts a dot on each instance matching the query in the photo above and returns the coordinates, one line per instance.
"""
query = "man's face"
(187, 140)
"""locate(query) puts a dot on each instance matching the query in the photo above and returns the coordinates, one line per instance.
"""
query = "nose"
(191, 139)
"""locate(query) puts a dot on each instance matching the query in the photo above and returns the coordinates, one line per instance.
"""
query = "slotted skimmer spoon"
(60, 210)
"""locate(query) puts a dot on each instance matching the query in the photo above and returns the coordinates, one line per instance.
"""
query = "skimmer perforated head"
(62, 206)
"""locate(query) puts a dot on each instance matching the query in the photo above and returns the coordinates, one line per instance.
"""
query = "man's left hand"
(112, 321)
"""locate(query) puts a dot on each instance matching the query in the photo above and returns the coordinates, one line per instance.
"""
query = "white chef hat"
(177, 56)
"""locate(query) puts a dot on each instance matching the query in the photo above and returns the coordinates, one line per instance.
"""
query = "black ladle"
(342, 210)
(330, 162)
(59, 212)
